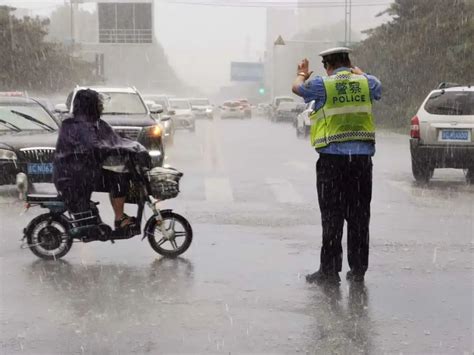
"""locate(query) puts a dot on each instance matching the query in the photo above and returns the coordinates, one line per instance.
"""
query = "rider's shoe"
(321, 277)
(126, 227)
(125, 221)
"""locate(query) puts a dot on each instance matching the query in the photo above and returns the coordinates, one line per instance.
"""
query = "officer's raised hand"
(302, 75)
(357, 71)
(303, 69)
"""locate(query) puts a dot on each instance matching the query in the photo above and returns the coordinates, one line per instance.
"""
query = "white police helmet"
(335, 50)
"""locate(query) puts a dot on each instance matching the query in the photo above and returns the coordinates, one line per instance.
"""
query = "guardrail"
(125, 36)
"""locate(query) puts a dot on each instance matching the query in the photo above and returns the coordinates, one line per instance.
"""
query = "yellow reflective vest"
(347, 112)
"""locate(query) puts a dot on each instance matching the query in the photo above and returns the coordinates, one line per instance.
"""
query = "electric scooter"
(51, 235)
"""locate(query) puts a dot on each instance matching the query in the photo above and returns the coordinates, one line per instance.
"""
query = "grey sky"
(201, 41)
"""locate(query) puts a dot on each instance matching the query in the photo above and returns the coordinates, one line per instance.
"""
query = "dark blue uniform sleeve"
(313, 90)
(375, 87)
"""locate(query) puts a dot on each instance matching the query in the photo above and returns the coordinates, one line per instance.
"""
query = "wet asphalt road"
(249, 193)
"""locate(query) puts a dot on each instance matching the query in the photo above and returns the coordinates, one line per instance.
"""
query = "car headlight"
(155, 131)
(6, 154)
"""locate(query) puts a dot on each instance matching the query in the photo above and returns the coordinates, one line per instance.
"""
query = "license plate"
(40, 168)
(455, 135)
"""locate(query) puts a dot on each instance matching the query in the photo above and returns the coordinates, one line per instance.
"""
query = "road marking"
(435, 255)
(218, 190)
(284, 190)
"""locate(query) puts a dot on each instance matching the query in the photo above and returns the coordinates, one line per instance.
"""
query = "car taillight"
(415, 127)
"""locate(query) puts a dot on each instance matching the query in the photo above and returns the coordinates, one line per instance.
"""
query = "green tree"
(425, 43)
(29, 62)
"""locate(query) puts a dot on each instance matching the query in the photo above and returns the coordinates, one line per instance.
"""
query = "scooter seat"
(37, 198)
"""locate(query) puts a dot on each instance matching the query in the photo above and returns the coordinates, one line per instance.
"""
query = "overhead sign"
(246, 71)
(125, 22)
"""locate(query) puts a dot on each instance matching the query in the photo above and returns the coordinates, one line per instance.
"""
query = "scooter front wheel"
(47, 237)
(170, 238)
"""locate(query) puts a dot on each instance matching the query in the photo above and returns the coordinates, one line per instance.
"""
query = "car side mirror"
(165, 118)
(156, 108)
(61, 108)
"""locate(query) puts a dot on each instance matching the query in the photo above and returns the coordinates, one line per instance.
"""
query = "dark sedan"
(28, 134)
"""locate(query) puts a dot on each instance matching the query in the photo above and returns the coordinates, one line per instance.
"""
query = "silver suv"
(442, 132)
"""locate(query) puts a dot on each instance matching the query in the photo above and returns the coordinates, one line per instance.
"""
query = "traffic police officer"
(343, 133)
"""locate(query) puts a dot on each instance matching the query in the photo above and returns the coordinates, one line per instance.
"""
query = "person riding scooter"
(84, 142)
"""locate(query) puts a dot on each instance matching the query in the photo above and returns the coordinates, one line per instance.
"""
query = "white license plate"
(455, 135)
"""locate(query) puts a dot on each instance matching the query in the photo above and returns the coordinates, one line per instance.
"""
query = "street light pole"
(281, 42)
(71, 14)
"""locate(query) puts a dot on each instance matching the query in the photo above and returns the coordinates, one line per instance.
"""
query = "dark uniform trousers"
(344, 185)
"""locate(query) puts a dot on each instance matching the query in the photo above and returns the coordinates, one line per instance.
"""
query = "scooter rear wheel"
(47, 237)
(180, 234)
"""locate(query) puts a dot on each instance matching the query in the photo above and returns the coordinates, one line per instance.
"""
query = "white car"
(276, 103)
(183, 117)
(303, 122)
(442, 132)
(202, 108)
(232, 109)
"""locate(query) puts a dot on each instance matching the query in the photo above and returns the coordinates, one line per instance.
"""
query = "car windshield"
(200, 102)
(123, 103)
(288, 105)
(456, 103)
(158, 99)
(231, 104)
(285, 99)
(179, 104)
(22, 116)
(161, 102)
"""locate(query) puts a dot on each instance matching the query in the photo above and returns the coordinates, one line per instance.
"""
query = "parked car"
(14, 94)
(126, 112)
(277, 100)
(287, 111)
(442, 133)
(202, 108)
(263, 109)
(28, 134)
(159, 100)
(246, 107)
(303, 122)
(232, 109)
(166, 121)
(180, 110)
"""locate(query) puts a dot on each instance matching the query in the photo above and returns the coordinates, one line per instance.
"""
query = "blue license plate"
(455, 135)
(40, 168)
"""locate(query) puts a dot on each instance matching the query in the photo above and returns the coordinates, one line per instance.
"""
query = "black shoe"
(356, 277)
(320, 277)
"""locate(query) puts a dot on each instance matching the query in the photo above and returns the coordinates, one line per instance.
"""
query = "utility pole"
(347, 21)
(72, 25)
(350, 22)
